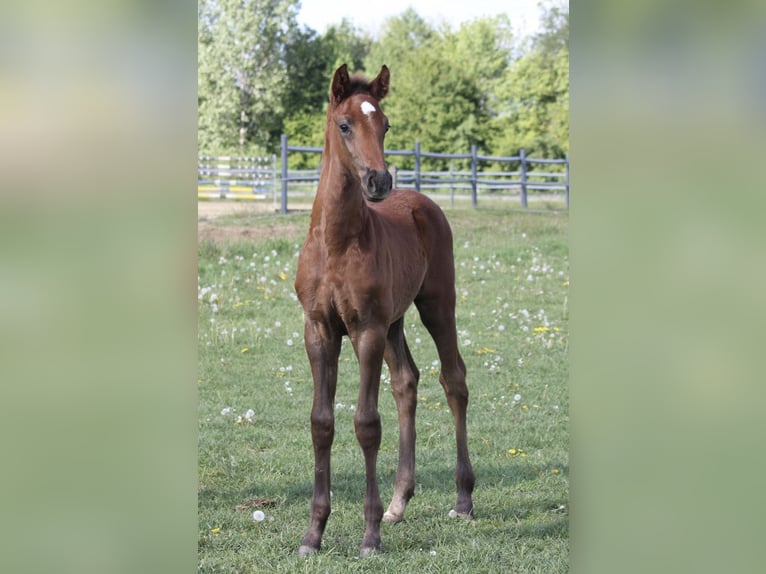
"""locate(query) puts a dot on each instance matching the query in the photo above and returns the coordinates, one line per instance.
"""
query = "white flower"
(258, 516)
(452, 513)
(225, 411)
(289, 342)
(249, 414)
(517, 397)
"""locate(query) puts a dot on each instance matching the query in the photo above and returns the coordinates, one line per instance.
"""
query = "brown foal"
(370, 252)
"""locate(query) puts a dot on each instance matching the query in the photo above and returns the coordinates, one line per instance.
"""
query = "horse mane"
(358, 84)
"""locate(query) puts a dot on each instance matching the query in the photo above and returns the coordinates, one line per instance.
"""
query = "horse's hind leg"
(404, 385)
(437, 312)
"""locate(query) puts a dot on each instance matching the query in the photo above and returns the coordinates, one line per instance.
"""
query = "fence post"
(474, 176)
(274, 181)
(283, 145)
(566, 181)
(523, 156)
(451, 183)
(417, 166)
(394, 174)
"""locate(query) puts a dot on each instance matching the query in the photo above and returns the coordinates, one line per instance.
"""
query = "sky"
(366, 15)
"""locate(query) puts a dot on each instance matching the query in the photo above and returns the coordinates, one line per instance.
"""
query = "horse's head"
(359, 126)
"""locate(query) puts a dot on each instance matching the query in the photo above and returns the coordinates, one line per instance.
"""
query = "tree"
(242, 72)
(535, 94)
(305, 93)
(401, 36)
(443, 85)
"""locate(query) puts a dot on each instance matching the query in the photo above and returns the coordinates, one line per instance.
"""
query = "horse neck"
(339, 208)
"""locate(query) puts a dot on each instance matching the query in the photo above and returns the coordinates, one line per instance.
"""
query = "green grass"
(512, 282)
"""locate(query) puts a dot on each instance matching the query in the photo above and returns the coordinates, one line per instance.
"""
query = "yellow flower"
(555, 471)
(215, 530)
(511, 451)
(484, 351)
(283, 276)
(245, 350)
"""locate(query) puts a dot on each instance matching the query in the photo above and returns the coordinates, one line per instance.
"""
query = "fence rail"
(229, 177)
(259, 178)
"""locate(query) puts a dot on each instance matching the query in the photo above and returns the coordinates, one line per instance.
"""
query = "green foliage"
(450, 88)
(535, 94)
(400, 39)
(241, 70)
(344, 44)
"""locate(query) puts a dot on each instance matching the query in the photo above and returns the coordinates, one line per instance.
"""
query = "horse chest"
(345, 290)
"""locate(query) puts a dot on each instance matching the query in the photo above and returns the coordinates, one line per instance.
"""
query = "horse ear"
(379, 86)
(340, 83)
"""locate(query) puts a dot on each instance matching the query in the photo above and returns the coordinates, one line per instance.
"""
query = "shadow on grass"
(502, 506)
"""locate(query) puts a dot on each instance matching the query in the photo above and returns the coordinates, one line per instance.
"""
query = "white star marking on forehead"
(367, 108)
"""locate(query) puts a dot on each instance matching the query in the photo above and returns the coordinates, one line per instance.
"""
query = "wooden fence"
(259, 178)
(228, 177)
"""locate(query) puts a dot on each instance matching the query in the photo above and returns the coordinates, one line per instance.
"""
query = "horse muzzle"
(376, 185)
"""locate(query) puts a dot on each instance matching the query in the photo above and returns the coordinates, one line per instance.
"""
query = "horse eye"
(388, 126)
(345, 128)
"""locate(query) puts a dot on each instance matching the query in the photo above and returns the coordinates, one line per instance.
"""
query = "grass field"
(255, 395)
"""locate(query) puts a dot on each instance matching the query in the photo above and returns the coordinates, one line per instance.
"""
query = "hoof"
(455, 514)
(305, 551)
(392, 518)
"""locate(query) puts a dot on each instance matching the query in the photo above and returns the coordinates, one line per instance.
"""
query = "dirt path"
(210, 227)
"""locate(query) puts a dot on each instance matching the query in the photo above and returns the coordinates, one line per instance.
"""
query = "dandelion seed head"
(258, 516)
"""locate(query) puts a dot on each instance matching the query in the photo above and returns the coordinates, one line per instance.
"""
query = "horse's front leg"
(322, 348)
(369, 346)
